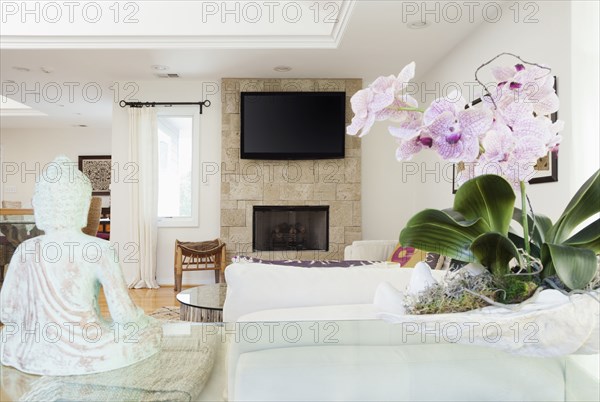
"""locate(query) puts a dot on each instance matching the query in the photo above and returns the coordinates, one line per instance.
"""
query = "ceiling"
(71, 76)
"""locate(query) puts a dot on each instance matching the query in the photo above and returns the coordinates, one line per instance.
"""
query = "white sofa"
(312, 334)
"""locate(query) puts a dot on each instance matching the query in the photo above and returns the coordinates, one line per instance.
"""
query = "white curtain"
(143, 205)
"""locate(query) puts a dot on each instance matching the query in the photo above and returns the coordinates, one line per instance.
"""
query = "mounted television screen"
(293, 125)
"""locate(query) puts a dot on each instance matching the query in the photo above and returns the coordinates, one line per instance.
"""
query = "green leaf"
(489, 197)
(454, 215)
(588, 237)
(546, 259)
(576, 267)
(494, 251)
(583, 205)
(436, 231)
(543, 224)
(541, 227)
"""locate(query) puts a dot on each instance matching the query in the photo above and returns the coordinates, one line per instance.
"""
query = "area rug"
(166, 313)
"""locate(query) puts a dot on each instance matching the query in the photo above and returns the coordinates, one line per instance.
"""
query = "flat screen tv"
(292, 125)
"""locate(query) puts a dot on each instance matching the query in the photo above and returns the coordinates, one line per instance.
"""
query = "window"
(178, 155)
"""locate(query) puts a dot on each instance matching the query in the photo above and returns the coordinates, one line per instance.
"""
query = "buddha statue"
(49, 299)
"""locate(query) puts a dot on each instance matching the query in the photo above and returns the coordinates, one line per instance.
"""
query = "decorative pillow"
(304, 263)
(402, 255)
(410, 256)
(454, 265)
(434, 260)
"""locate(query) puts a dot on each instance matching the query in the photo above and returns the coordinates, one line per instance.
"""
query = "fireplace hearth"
(278, 228)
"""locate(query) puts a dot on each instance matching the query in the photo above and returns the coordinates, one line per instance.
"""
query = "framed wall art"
(98, 169)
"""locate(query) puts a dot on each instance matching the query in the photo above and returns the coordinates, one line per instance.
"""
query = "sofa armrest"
(348, 253)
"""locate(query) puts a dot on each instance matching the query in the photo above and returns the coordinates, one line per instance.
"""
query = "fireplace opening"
(278, 228)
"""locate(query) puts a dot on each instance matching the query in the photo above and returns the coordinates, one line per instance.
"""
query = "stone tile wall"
(245, 183)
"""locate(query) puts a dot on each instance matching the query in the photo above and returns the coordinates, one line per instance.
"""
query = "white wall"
(585, 72)
(546, 42)
(210, 187)
(391, 195)
(389, 188)
(31, 149)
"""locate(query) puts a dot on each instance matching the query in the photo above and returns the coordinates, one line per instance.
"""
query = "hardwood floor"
(148, 299)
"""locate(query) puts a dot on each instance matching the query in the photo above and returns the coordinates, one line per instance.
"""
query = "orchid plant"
(503, 134)
(506, 135)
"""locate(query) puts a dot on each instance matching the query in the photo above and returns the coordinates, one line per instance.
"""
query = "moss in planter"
(451, 296)
(435, 301)
(515, 289)
(463, 292)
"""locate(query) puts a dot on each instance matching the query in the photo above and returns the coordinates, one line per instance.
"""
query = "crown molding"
(280, 41)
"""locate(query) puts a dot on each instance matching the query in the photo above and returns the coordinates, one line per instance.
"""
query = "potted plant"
(506, 133)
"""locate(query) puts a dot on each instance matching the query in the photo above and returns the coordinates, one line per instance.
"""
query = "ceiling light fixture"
(23, 69)
(160, 67)
(418, 24)
(282, 69)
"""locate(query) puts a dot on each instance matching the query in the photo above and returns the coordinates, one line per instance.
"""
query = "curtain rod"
(123, 103)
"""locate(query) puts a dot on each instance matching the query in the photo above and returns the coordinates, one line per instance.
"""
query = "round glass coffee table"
(203, 303)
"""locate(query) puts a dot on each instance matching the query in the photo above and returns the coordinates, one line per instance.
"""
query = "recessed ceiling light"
(418, 24)
(160, 67)
(282, 69)
(19, 68)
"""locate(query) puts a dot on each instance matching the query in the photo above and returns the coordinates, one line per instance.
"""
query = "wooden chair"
(93, 220)
(199, 256)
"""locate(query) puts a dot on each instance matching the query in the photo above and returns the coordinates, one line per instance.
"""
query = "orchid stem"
(525, 224)
(409, 109)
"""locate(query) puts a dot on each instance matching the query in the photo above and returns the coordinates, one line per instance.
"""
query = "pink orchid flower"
(365, 105)
(532, 85)
(382, 100)
(455, 131)
(512, 151)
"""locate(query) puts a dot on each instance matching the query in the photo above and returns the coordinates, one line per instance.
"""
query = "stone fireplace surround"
(245, 183)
